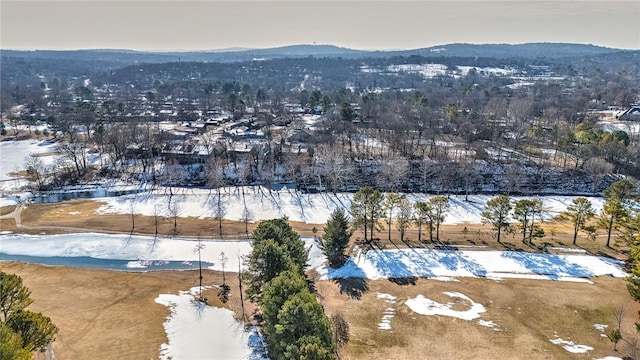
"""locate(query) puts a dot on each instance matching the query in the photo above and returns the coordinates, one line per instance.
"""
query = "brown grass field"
(112, 315)
(528, 312)
(105, 314)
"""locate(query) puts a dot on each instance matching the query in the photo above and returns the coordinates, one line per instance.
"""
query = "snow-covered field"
(13, 154)
(196, 331)
(450, 264)
(296, 206)
(263, 203)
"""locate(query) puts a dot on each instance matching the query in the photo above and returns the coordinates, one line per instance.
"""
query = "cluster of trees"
(499, 210)
(294, 323)
(617, 214)
(369, 206)
(21, 331)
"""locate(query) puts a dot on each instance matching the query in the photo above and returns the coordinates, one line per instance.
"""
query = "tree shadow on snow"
(404, 280)
(354, 287)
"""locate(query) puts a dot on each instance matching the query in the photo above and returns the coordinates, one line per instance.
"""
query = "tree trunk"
(533, 221)
(609, 230)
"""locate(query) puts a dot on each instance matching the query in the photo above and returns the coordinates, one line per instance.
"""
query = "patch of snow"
(387, 297)
(600, 327)
(445, 279)
(316, 257)
(8, 201)
(520, 84)
(424, 306)
(374, 264)
(193, 324)
(142, 252)
(569, 250)
(426, 70)
(631, 128)
(385, 323)
(489, 324)
(570, 346)
(484, 70)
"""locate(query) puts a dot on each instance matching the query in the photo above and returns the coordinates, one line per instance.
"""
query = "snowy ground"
(449, 264)
(570, 346)
(134, 252)
(389, 312)
(13, 154)
(296, 206)
(9, 201)
(195, 331)
(424, 306)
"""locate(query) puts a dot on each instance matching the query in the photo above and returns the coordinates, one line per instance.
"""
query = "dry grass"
(8, 225)
(110, 314)
(4, 210)
(528, 312)
(81, 214)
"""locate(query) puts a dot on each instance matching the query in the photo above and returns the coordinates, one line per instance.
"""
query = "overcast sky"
(202, 25)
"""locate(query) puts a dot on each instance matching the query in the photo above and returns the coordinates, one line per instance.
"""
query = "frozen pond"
(109, 264)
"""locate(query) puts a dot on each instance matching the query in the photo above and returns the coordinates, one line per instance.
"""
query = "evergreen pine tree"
(335, 241)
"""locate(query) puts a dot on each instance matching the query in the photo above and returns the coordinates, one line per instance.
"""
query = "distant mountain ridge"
(126, 57)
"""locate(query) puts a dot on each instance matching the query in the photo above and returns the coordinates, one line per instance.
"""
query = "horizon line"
(248, 48)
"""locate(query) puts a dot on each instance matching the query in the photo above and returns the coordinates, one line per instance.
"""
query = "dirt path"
(15, 215)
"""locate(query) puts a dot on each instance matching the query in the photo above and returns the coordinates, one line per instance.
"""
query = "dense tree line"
(294, 323)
